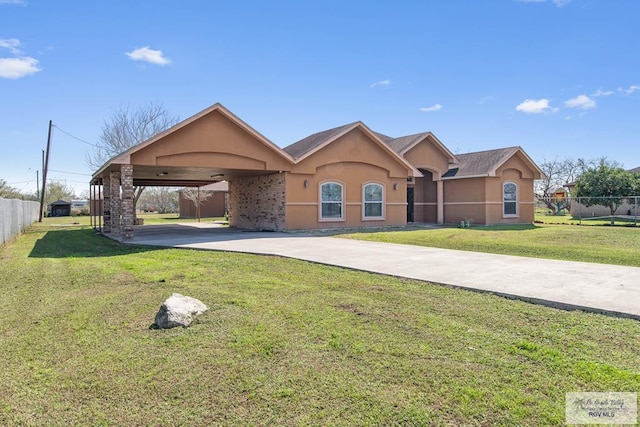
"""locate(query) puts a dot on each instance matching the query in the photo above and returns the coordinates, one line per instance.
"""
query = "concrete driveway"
(600, 288)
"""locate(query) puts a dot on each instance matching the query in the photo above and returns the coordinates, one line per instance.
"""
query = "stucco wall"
(427, 155)
(480, 199)
(211, 140)
(464, 199)
(352, 160)
(16, 216)
(258, 202)
(303, 201)
(522, 177)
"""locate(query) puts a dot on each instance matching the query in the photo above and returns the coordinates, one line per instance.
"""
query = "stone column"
(106, 205)
(116, 212)
(128, 208)
(440, 199)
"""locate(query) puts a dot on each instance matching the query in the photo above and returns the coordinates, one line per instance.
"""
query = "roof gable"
(404, 144)
(485, 163)
(125, 156)
(308, 146)
(312, 143)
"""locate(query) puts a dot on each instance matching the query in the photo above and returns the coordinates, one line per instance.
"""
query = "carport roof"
(184, 176)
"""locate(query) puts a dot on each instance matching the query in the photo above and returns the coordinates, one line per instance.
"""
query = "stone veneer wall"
(257, 202)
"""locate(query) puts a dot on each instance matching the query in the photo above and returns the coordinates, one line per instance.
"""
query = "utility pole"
(37, 184)
(44, 171)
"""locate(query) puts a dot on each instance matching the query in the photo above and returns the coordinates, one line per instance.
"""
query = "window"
(331, 201)
(373, 205)
(509, 199)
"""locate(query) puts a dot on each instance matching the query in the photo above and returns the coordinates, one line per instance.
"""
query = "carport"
(211, 146)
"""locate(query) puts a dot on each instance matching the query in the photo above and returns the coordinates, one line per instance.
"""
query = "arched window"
(372, 203)
(509, 199)
(331, 197)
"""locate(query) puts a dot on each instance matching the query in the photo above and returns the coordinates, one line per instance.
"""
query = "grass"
(285, 342)
(606, 245)
(149, 218)
(542, 217)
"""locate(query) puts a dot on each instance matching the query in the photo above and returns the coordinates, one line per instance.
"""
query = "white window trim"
(517, 214)
(382, 202)
(342, 202)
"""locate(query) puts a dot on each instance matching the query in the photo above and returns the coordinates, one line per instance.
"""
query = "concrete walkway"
(600, 288)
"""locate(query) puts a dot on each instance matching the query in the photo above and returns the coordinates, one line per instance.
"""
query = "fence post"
(580, 211)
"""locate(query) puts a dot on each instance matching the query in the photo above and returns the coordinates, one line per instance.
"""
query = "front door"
(409, 204)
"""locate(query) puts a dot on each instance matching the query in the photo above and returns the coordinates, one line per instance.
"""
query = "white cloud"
(15, 68)
(435, 107)
(485, 99)
(148, 55)
(582, 102)
(20, 2)
(601, 92)
(535, 106)
(21, 66)
(382, 83)
(559, 3)
(631, 89)
(11, 45)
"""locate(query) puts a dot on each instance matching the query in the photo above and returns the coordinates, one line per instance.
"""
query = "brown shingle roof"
(311, 142)
(399, 145)
(480, 163)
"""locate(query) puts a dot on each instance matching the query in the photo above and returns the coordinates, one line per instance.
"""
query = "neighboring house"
(214, 206)
(349, 176)
(60, 208)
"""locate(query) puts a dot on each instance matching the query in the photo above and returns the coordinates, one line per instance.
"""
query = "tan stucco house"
(349, 176)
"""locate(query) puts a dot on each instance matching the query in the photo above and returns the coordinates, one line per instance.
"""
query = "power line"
(75, 137)
(72, 173)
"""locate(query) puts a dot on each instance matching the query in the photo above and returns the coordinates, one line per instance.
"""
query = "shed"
(60, 208)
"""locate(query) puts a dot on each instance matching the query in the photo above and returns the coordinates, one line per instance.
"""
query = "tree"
(197, 197)
(557, 173)
(126, 128)
(161, 199)
(58, 190)
(608, 185)
(9, 192)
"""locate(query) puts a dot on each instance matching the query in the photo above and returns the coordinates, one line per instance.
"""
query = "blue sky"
(557, 77)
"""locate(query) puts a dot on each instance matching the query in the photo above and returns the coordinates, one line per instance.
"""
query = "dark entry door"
(409, 204)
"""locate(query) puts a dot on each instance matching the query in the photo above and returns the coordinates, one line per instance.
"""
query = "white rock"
(179, 310)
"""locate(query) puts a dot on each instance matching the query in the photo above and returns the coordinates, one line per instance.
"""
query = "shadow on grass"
(505, 227)
(84, 243)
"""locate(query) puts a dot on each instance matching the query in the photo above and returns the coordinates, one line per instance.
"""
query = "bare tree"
(128, 127)
(197, 197)
(557, 173)
(160, 199)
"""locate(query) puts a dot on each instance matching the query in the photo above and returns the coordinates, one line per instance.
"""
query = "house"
(348, 176)
(60, 208)
(214, 206)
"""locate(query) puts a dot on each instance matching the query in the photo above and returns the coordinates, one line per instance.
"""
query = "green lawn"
(286, 342)
(543, 217)
(149, 218)
(606, 245)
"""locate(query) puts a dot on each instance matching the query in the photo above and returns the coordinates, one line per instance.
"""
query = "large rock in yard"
(179, 310)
